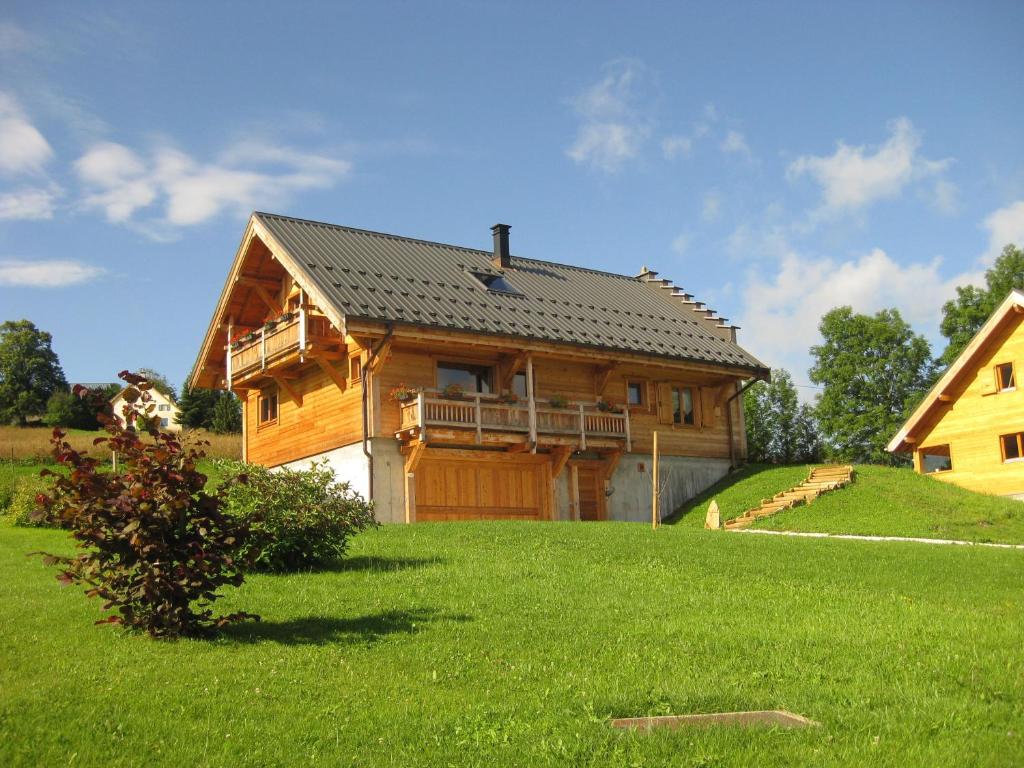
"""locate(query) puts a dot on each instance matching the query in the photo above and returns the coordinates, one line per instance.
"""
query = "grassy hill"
(881, 501)
(513, 643)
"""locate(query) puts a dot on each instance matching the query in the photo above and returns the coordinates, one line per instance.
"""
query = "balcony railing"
(261, 348)
(487, 413)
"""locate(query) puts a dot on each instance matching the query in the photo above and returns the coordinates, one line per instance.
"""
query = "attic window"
(496, 283)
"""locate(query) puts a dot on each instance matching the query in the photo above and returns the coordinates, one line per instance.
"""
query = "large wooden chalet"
(448, 383)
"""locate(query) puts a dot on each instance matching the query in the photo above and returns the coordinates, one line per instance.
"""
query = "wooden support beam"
(413, 456)
(264, 294)
(283, 384)
(511, 368)
(611, 462)
(604, 373)
(559, 458)
(944, 398)
(252, 281)
(333, 372)
(381, 356)
(518, 448)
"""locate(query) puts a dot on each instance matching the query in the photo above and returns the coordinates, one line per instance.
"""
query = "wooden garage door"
(487, 486)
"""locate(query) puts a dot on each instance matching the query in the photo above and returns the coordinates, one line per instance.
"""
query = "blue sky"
(774, 159)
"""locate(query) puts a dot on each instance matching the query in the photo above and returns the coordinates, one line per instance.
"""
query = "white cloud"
(45, 274)
(735, 143)
(854, 177)
(121, 182)
(612, 128)
(23, 149)
(782, 312)
(712, 207)
(681, 243)
(946, 197)
(15, 39)
(676, 146)
(1004, 226)
(30, 203)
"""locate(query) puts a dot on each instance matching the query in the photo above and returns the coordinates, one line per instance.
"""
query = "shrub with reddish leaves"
(155, 545)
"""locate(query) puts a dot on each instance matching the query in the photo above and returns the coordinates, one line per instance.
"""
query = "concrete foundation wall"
(682, 478)
(351, 465)
(630, 486)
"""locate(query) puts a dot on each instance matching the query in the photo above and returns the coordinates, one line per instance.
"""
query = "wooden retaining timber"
(819, 481)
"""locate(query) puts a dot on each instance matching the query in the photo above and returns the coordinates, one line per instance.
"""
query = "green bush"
(22, 506)
(296, 519)
(8, 485)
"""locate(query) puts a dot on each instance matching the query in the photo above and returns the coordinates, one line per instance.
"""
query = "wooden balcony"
(485, 417)
(267, 348)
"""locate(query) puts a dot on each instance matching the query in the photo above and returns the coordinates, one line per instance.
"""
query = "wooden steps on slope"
(820, 480)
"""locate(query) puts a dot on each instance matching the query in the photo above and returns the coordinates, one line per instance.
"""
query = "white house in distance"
(165, 409)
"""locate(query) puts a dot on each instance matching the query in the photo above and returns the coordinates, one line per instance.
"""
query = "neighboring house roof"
(938, 395)
(381, 277)
(97, 384)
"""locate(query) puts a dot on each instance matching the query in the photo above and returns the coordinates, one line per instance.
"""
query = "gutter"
(728, 415)
(367, 384)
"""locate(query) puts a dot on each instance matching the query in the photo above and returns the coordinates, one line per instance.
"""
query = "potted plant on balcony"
(606, 407)
(558, 401)
(508, 398)
(403, 393)
(453, 392)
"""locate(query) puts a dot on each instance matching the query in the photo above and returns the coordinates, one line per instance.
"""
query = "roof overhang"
(212, 341)
(904, 440)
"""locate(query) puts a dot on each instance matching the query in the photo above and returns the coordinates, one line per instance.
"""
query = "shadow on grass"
(326, 630)
(363, 563)
(369, 563)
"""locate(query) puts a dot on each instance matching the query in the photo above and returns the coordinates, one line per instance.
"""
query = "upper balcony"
(276, 343)
(486, 418)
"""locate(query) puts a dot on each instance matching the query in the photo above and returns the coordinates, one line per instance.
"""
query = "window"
(519, 385)
(935, 459)
(682, 406)
(268, 407)
(1004, 377)
(164, 422)
(1013, 446)
(163, 407)
(496, 283)
(635, 393)
(355, 368)
(472, 378)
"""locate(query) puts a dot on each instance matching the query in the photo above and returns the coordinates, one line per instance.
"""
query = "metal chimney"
(501, 257)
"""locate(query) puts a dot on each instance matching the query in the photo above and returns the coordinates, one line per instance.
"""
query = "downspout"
(366, 419)
(728, 416)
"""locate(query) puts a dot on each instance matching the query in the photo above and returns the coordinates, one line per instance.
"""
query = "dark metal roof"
(376, 276)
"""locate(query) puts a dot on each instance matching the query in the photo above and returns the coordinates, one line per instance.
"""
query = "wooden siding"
(328, 418)
(578, 381)
(976, 415)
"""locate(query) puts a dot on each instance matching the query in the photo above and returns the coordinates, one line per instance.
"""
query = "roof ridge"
(439, 244)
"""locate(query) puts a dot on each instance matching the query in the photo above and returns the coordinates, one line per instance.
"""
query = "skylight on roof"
(496, 283)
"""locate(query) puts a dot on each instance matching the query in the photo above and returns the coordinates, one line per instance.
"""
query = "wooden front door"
(591, 490)
(472, 485)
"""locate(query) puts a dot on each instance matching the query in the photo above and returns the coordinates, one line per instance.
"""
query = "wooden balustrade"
(481, 413)
(269, 344)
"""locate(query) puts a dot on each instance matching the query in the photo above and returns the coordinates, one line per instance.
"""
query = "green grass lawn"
(881, 501)
(498, 644)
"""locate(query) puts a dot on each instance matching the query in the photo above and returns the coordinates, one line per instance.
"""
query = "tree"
(873, 369)
(227, 414)
(159, 382)
(29, 371)
(779, 429)
(963, 316)
(64, 409)
(197, 409)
